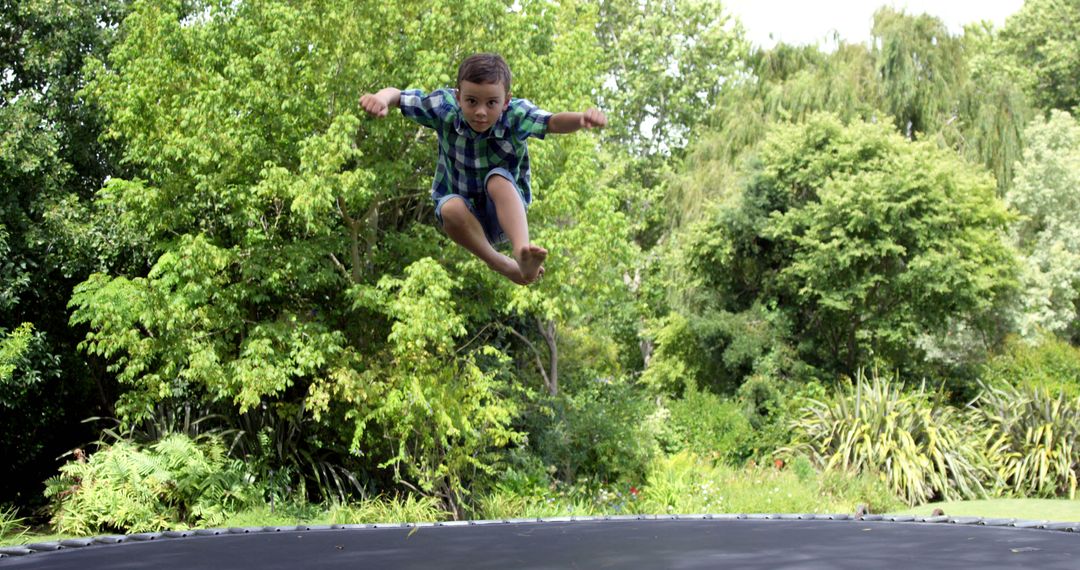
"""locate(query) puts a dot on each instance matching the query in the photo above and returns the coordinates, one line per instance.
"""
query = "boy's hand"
(374, 105)
(593, 118)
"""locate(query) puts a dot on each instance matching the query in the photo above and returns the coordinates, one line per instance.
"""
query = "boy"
(481, 188)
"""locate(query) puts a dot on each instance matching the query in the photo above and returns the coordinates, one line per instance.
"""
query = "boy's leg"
(510, 211)
(462, 226)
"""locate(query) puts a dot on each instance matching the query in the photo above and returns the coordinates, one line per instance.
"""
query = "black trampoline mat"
(675, 544)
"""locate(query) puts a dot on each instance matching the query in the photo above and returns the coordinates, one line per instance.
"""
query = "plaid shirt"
(465, 156)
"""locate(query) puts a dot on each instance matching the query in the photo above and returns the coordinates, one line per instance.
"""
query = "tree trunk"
(361, 258)
(547, 330)
(539, 362)
(647, 347)
(354, 238)
(371, 236)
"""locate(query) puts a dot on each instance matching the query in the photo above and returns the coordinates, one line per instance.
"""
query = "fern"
(173, 483)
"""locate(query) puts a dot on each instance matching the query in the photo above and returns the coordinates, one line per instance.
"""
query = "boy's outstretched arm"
(379, 104)
(561, 123)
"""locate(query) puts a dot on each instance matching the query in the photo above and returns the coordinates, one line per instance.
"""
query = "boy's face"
(482, 103)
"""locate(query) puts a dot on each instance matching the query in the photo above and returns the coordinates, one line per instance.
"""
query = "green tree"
(960, 91)
(13, 346)
(580, 223)
(861, 240)
(294, 255)
(441, 412)
(786, 83)
(921, 67)
(993, 108)
(50, 164)
(1044, 37)
(657, 91)
(657, 94)
(1048, 231)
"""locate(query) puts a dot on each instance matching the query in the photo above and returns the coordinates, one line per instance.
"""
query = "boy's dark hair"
(484, 68)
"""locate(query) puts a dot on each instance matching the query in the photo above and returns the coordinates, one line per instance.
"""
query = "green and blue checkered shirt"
(465, 156)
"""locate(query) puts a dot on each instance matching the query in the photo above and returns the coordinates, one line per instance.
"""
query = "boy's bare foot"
(508, 267)
(529, 259)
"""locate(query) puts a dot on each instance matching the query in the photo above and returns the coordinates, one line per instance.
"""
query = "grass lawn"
(29, 538)
(1059, 510)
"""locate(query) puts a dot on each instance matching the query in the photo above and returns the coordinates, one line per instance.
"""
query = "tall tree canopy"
(956, 90)
(51, 162)
(921, 67)
(295, 260)
(666, 64)
(1048, 231)
(859, 240)
(1044, 36)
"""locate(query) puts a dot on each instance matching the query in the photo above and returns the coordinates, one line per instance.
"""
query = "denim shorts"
(483, 207)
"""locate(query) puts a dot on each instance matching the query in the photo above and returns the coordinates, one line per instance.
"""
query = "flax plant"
(1032, 441)
(921, 448)
(12, 526)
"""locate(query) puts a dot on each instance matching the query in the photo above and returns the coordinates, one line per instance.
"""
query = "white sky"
(810, 21)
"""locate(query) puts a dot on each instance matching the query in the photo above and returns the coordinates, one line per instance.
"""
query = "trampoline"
(677, 542)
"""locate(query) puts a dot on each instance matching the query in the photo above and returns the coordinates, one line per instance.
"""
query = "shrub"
(851, 489)
(1051, 364)
(524, 474)
(525, 488)
(287, 448)
(287, 514)
(921, 447)
(1033, 440)
(406, 508)
(718, 350)
(501, 505)
(682, 483)
(598, 432)
(708, 425)
(173, 483)
(770, 404)
(687, 483)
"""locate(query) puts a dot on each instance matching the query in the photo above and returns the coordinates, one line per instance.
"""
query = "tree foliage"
(921, 67)
(13, 346)
(1044, 37)
(787, 84)
(50, 164)
(959, 91)
(657, 91)
(1048, 231)
(994, 107)
(278, 220)
(861, 239)
(441, 411)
